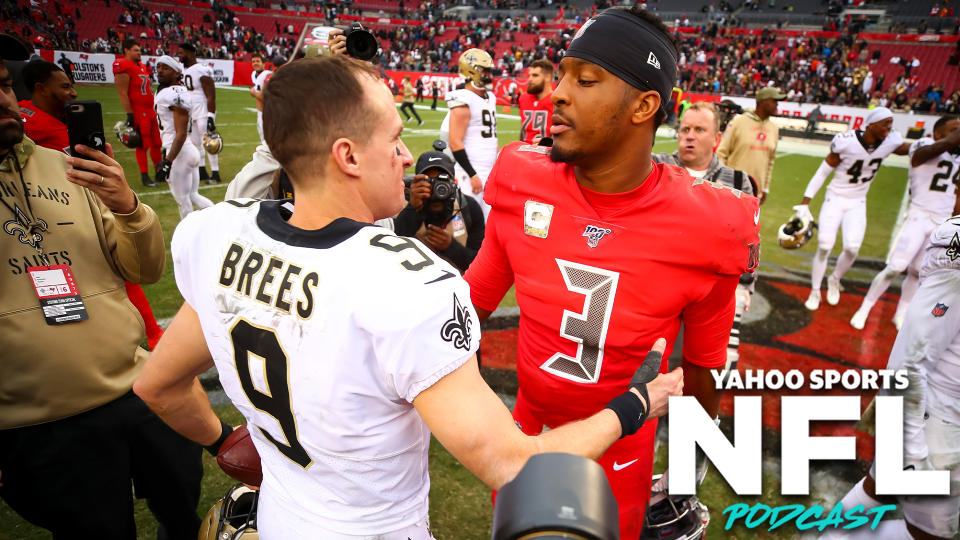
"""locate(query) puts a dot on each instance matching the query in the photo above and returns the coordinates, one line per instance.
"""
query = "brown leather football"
(239, 458)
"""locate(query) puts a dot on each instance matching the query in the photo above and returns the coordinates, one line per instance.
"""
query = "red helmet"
(129, 136)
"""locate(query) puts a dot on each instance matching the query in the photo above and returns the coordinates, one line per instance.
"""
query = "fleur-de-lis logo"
(953, 250)
(457, 329)
(23, 229)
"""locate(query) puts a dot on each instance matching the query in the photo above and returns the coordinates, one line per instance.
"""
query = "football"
(238, 457)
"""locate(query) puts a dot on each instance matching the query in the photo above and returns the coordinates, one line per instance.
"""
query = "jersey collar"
(272, 220)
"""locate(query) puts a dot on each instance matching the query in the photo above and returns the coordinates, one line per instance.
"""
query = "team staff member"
(343, 441)
(535, 105)
(580, 232)
(750, 142)
(133, 80)
(43, 118)
(698, 134)
(72, 434)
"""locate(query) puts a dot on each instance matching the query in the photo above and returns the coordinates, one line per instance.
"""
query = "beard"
(561, 155)
(535, 89)
(10, 134)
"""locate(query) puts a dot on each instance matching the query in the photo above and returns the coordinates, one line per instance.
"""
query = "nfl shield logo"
(939, 309)
(594, 234)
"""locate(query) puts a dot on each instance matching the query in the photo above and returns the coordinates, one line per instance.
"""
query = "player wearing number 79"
(854, 159)
(609, 251)
(342, 344)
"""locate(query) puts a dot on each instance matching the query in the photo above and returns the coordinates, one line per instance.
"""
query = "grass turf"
(461, 506)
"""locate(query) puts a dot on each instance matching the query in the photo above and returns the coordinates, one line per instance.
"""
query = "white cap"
(877, 114)
(171, 63)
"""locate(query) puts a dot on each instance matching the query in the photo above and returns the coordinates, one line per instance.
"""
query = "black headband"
(631, 48)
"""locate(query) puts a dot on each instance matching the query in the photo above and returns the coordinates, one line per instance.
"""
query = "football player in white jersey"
(198, 78)
(928, 347)
(472, 124)
(343, 345)
(854, 158)
(180, 157)
(259, 79)
(934, 172)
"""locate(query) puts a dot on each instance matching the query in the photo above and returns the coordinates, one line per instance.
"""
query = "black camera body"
(361, 44)
(442, 187)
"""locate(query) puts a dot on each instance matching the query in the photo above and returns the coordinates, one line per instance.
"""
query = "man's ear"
(345, 155)
(646, 105)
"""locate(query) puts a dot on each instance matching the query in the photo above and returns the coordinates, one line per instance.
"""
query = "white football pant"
(184, 180)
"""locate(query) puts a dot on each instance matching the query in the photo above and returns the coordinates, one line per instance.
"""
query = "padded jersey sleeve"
(189, 233)
(707, 323)
(421, 324)
(919, 143)
(457, 99)
(119, 66)
(837, 144)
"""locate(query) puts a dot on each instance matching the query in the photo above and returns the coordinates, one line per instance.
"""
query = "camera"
(442, 187)
(361, 44)
(315, 41)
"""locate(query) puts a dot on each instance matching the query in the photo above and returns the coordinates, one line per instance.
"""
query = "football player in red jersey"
(536, 108)
(609, 251)
(44, 114)
(133, 82)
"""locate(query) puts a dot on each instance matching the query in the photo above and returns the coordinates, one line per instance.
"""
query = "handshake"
(649, 392)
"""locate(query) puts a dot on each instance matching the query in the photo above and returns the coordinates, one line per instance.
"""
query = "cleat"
(833, 290)
(216, 176)
(147, 182)
(859, 319)
(421, 123)
(813, 301)
(203, 173)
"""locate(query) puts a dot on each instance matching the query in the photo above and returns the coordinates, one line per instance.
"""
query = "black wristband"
(225, 431)
(129, 119)
(631, 411)
(464, 161)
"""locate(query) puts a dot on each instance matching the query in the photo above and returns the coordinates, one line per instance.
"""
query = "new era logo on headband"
(652, 60)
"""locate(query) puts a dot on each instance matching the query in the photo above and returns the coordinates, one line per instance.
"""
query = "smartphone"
(85, 126)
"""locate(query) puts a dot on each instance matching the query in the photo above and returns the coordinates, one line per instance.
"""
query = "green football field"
(460, 504)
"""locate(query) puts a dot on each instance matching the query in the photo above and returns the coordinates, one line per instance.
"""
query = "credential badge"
(536, 218)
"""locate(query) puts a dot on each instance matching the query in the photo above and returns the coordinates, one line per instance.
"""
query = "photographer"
(439, 215)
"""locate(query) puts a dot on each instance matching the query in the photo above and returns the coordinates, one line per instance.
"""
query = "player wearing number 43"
(934, 170)
(599, 243)
(343, 345)
(854, 160)
(181, 158)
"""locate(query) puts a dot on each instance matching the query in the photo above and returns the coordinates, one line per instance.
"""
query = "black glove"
(225, 431)
(130, 119)
(630, 409)
(211, 126)
(163, 170)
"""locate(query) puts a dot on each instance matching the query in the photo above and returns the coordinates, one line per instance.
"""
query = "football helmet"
(796, 232)
(212, 142)
(129, 135)
(674, 517)
(476, 66)
(234, 517)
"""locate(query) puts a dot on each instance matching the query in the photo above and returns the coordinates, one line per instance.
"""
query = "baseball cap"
(433, 159)
(770, 92)
(13, 48)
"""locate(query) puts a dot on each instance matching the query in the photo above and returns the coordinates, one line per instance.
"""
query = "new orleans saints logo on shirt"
(27, 232)
(457, 329)
(953, 250)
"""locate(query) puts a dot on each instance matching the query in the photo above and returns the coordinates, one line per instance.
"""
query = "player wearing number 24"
(343, 345)
(609, 251)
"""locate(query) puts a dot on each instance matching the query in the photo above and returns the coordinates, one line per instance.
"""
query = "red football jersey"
(599, 277)
(141, 95)
(535, 115)
(43, 129)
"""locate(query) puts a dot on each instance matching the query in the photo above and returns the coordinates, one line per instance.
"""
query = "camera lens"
(361, 44)
(441, 190)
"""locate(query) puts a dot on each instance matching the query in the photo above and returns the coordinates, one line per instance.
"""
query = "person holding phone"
(71, 430)
(181, 158)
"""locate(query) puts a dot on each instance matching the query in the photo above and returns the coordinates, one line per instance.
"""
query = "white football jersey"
(322, 340)
(259, 79)
(175, 96)
(943, 249)
(191, 79)
(858, 165)
(480, 140)
(933, 185)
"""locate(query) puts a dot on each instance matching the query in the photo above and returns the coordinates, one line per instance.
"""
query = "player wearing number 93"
(603, 250)
(343, 345)
(854, 160)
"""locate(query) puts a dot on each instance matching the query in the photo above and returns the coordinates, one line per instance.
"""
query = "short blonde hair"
(706, 106)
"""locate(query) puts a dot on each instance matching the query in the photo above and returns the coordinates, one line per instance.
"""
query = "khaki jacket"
(53, 372)
(750, 145)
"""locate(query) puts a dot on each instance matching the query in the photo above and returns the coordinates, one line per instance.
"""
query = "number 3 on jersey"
(256, 344)
(587, 329)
